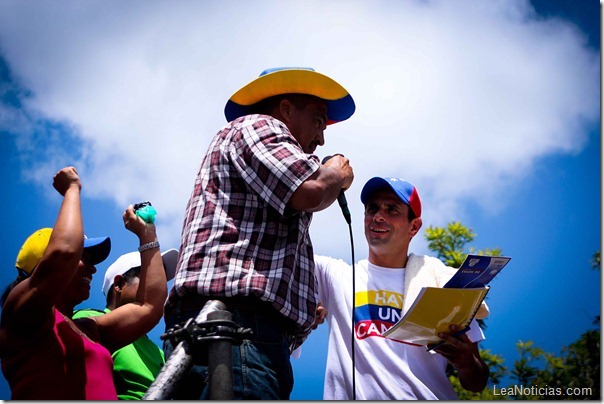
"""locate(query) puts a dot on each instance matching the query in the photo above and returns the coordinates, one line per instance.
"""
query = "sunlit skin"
(308, 125)
(388, 230)
(78, 289)
(306, 120)
(123, 291)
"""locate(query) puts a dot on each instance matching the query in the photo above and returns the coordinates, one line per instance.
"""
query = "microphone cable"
(352, 339)
(344, 206)
(347, 217)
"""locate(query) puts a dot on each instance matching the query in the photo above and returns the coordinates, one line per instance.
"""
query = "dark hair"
(410, 213)
(267, 105)
(128, 276)
(132, 273)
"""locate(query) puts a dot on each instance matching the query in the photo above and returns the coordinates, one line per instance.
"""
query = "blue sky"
(492, 109)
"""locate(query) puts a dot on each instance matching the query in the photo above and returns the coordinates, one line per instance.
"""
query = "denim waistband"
(191, 304)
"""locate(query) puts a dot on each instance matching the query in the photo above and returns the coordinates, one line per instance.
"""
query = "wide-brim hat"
(33, 249)
(132, 260)
(292, 80)
(403, 189)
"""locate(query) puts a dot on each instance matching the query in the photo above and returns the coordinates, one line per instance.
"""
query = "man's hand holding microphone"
(341, 163)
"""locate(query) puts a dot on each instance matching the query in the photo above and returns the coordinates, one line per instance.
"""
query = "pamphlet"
(457, 302)
(477, 271)
(434, 310)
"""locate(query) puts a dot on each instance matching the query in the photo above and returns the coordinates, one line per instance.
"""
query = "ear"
(416, 224)
(118, 283)
(285, 110)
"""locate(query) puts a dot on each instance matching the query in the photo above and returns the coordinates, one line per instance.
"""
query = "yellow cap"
(32, 250)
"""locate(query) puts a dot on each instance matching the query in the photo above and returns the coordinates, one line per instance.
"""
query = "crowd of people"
(245, 241)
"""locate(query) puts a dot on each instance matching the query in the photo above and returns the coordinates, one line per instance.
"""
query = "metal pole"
(179, 363)
(220, 363)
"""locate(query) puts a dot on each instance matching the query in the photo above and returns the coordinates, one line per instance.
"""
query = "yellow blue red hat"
(287, 80)
(403, 189)
(34, 247)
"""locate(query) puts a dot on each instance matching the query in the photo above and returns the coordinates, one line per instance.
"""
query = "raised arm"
(322, 188)
(131, 321)
(30, 304)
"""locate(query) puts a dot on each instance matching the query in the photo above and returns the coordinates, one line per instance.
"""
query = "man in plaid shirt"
(245, 236)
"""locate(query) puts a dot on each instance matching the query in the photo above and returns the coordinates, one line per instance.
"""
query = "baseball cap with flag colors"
(34, 247)
(403, 189)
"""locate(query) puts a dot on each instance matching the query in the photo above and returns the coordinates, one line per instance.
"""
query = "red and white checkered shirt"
(239, 238)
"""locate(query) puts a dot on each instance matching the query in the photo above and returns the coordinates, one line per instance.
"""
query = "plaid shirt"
(239, 238)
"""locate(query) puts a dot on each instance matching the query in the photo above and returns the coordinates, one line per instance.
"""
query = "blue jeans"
(261, 364)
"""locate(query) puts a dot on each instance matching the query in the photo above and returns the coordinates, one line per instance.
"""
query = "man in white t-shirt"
(385, 285)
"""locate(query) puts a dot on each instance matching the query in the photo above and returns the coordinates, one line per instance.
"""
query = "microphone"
(341, 199)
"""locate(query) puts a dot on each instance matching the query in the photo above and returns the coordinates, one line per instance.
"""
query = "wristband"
(148, 246)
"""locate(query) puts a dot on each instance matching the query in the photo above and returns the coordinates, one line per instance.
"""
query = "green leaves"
(575, 374)
(449, 243)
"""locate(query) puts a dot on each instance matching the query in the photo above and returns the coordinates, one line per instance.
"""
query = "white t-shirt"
(385, 369)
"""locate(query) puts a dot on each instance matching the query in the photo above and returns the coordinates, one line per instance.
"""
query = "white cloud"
(460, 97)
